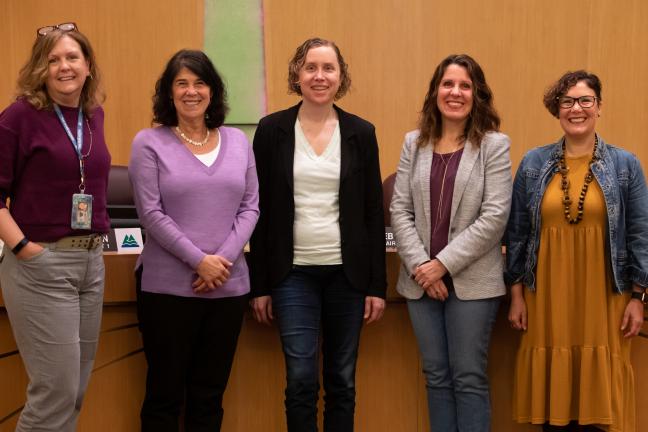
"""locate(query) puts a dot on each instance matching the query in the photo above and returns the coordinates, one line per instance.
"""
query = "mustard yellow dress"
(573, 362)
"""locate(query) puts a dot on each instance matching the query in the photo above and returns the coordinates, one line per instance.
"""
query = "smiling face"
(455, 94)
(191, 95)
(579, 122)
(67, 72)
(319, 77)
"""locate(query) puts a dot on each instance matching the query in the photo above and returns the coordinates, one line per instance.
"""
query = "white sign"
(129, 240)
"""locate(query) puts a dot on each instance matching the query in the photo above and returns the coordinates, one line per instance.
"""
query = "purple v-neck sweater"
(190, 210)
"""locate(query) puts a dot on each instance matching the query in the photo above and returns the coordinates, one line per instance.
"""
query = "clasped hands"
(428, 275)
(213, 272)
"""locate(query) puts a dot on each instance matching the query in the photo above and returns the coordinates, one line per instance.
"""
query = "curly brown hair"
(567, 81)
(33, 75)
(483, 116)
(299, 58)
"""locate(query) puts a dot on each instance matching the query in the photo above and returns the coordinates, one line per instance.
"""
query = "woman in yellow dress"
(577, 263)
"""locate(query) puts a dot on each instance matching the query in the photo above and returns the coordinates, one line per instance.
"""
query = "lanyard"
(77, 143)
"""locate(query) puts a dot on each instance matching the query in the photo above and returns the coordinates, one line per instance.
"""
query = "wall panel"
(132, 40)
(392, 48)
(523, 46)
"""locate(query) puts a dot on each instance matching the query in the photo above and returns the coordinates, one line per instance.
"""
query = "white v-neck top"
(316, 228)
(208, 159)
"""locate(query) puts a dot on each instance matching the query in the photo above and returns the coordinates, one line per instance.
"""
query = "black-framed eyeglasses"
(64, 27)
(567, 102)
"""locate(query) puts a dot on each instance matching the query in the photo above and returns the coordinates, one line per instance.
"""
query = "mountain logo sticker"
(129, 242)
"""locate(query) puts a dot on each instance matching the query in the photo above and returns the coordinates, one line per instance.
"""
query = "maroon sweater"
(39, 170)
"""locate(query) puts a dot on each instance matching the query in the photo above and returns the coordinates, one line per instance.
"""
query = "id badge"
(81, 211)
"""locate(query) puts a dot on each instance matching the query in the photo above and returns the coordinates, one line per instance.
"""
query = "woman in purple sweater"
(54, 171)
(196, 193)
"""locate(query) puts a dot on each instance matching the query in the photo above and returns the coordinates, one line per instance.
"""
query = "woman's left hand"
(374, 308)
(437, 291)
(200, 286)
(633, 318)
(213, 272)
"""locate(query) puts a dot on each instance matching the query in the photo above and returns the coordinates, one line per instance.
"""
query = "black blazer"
(362, 229)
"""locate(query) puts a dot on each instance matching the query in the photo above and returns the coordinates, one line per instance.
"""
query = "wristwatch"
(640, 296)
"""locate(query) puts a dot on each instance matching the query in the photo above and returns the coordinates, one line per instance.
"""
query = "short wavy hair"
(564, 83)
(483, 116)
(164, 111)
(299, 58)
(32, 77)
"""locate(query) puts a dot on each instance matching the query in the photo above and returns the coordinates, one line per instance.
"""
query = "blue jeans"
(453, 337)
(310, 300)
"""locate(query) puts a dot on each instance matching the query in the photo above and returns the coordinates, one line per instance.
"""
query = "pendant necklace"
(439, 212)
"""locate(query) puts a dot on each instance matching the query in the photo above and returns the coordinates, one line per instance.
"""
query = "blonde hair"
(299, 58)
(33, 75)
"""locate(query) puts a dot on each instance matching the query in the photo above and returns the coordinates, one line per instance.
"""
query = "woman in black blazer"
(318, 251)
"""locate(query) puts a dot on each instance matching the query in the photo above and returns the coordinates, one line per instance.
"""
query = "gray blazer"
(481, 203)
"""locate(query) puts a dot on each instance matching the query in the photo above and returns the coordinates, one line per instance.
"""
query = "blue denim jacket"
(622, 181)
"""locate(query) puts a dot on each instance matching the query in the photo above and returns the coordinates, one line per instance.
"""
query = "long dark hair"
(164, 111)
(483, 116)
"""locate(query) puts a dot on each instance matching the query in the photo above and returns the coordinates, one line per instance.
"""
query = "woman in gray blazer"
(449, 210)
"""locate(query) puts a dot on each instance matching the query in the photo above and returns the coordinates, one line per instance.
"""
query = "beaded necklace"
(564, 185)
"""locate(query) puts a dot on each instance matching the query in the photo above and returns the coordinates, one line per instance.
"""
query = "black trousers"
(189, 345)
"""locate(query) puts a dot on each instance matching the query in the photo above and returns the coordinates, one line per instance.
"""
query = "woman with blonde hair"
(318, 252)
(54, 167)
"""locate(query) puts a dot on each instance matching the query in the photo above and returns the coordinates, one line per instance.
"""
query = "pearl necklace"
(189, 140)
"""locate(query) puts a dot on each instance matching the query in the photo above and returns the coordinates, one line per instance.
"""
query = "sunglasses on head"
(64, 27)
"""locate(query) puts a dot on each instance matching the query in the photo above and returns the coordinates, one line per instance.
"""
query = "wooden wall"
(392, 48)
(133, 40)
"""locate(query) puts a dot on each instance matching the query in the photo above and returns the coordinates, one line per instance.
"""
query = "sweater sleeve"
(258, 241)
(9, 143)
(247, 214)
(375, 218)
(8, 151)
(411, 248)
(143, 173)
